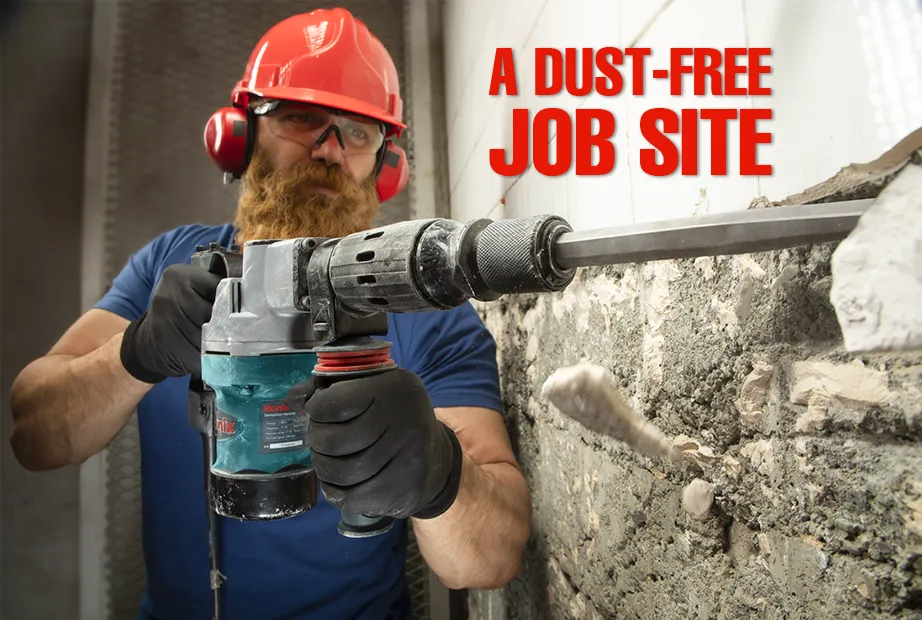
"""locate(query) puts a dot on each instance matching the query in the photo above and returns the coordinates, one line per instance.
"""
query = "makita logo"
(272, 408)
(225, 426)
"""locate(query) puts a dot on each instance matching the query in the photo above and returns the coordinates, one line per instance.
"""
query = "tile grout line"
(757, 179)
(484, 128)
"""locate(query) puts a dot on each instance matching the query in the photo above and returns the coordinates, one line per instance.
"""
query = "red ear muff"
(226, 140)
(393, 172)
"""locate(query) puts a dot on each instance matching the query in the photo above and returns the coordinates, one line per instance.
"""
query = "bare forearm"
(479, 541)
(66, 409)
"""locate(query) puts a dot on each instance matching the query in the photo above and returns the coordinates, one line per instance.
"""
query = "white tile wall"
(846, 83)
(689, 23)
(635, 16)
(846, 86)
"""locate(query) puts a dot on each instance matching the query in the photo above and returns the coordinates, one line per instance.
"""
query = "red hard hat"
(327, 57)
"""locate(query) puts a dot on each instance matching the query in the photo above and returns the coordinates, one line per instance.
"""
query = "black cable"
(215, 576)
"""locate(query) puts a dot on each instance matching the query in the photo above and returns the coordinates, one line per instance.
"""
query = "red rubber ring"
(352, 361)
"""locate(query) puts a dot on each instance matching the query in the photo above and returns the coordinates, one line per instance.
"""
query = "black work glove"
(166, 340)
(377, 447)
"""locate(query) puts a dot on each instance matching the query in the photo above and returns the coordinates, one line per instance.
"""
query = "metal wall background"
(161, 68)
(44, 60)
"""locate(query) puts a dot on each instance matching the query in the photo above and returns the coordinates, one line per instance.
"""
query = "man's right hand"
(166, 340)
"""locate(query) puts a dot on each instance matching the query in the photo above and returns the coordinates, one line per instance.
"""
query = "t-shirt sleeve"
(455, 356)
(131, 290)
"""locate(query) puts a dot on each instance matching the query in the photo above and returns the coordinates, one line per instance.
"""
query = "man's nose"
(328, 147)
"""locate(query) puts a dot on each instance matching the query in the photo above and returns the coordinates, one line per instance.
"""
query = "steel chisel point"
(738, 232)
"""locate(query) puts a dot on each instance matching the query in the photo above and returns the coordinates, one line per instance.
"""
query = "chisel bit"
(737, 232)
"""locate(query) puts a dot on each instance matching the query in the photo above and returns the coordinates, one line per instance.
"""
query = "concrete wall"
(45, 60)
(814, 453)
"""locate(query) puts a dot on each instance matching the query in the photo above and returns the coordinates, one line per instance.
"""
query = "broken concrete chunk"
(787, 274)
(877, 271)
(765, 545)
(744, 294)
(746, 262)
(761, 456)
(694, 451)
(754, 394)
(732, 467)
(811, 420)
(850, 384)
(816, 415)
(697, 498)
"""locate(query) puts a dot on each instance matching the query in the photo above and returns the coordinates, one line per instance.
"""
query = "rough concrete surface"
(812, 454)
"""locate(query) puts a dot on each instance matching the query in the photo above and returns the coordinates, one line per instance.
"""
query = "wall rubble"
(814, 454)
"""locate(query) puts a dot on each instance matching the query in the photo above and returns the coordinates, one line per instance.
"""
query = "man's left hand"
(377, 447)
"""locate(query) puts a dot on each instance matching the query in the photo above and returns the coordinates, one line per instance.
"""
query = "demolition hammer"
(289, 309)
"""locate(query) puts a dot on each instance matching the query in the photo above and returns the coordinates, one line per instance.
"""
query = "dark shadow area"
(44, 48)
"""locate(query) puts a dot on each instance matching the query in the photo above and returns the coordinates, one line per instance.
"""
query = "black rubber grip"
(372, 271)
(516, 255)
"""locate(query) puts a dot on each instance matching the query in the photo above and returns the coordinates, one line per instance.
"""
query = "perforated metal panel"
(169, 65)
(418, 578)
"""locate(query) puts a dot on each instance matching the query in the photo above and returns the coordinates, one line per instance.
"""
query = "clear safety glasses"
(311, 125)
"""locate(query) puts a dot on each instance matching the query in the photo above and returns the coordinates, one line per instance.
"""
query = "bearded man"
(309, 136)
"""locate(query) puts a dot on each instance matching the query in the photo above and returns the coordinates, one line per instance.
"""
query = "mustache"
(303, 175)
(276, 202)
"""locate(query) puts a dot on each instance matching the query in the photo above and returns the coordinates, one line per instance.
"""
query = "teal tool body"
(256, 431)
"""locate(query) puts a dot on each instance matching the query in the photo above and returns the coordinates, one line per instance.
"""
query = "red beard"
(277, 204)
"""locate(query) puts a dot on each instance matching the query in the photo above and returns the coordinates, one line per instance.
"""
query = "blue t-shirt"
(297, 568)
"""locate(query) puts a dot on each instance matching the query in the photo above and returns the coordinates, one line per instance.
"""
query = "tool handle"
(349, 359)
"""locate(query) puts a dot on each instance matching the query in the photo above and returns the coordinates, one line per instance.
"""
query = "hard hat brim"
(332, 100)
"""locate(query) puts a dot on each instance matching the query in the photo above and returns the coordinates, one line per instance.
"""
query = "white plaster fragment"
(528, 324)
(595, 520)
(706, 265)
(773, 496)
(697, 498)
(754, 394)
(656, 304)
(694, 451)
(745, 291)
(765, 546)
(746, 262)
(531, 373)
(761, 456)
(787, 274)
(802, 465)
(587, 394)
(816, 415)
(732, 467)
(849, 384)
(593, 296)
(726, 313)
(877, 271)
